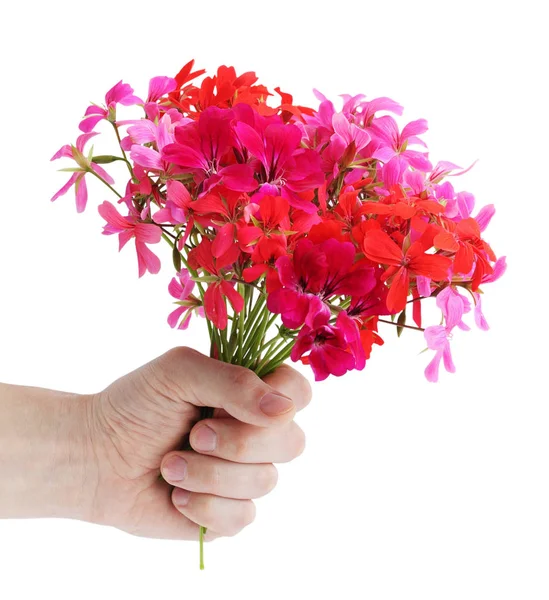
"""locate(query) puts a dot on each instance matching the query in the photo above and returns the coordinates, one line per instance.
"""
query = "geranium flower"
(181, 289)
(202, 147)
(85, 165)
(437, 337)
(121, 93)
(130, 227)
(285, 168)
(314, 274)
(214, 298)
(333, 349)
(381, 249)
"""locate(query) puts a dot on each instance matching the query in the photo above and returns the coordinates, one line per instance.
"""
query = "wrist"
(47, 462)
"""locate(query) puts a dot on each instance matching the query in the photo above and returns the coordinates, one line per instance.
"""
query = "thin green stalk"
(90, 170)
(128, 164)
(241, 322)
(275, 361)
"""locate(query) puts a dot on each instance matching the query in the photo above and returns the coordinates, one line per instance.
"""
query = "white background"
(406, 489)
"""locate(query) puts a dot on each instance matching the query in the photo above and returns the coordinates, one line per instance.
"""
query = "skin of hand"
(101, 454)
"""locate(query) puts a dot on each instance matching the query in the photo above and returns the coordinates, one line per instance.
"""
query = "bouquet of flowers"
(295, 232)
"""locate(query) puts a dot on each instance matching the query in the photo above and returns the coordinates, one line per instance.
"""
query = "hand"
(138, 423)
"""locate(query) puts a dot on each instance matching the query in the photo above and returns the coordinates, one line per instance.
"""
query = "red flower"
(465, 240)
(380, 248)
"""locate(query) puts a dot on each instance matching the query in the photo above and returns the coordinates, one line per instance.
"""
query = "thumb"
(188, 376)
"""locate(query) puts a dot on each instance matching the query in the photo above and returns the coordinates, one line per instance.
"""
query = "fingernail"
(204, 439)
(175, 468)
(273, 405)
(181, 497)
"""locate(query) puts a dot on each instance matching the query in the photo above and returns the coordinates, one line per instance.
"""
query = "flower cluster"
(324, 220)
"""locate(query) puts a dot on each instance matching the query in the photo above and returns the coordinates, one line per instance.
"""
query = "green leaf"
(401, 321)
(176, 255)
(104, 159)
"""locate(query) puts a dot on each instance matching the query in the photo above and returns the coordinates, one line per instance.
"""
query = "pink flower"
(85, 166)
(158, 87)
(181, 289)
(218, 291)
(314, 274)
(393, 148)
(285, 169)
(453, 306)
(130, 227)
(480, 321)
(202, 147)
(499, 269)
(437, 337)
(348, 132)
(333, 349)
(146, 132)
(121, 93)
(178, 202)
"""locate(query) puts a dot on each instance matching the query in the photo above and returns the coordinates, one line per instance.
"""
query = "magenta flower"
(480, 321)
(333, 349)
(158, 87)
(178, 201)
(316, 273)
(437, 337)
(85, 165)
(181, 289)
(393, 148)
(121, 93)
(285, 169)
(453, 306)
(203, 146)
(130, 227)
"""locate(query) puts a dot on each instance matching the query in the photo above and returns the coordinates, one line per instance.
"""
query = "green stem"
(398, 325)
(128, 164)
(241, 322)
(101, 179)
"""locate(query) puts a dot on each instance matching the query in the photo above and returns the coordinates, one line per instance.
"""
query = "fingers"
(212, 475)
(243, 443)
(224, 516)
(291, 383)
(192, 377)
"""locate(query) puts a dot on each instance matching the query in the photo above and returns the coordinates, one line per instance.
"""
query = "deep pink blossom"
(181, 289)
(285, 169)
(130, 227)
(158, 87)
(314, 274)
(121, 93)
(332, 349)
(203, 146)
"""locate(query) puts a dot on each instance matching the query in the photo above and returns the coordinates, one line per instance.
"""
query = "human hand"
(138, 423)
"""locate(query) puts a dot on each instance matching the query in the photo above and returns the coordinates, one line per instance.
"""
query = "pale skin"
(97, 457)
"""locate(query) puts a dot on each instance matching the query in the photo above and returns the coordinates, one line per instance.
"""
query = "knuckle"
(306, 390)
(268, 478)
(241, 448)
(298, 445)
(245, 515)
(244, 378)
(211, 477)
(207, 507)
(179, 354)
